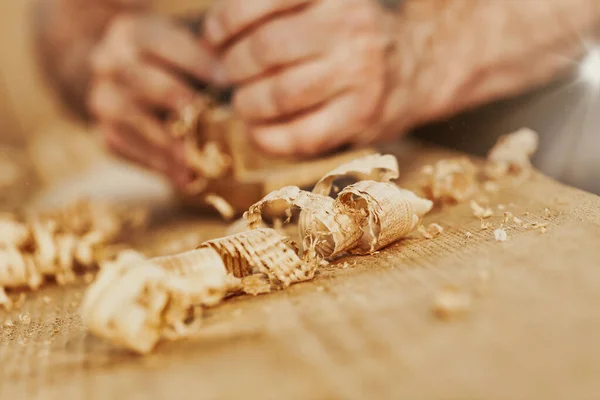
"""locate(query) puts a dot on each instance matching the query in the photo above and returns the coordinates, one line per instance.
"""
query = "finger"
(294, 90)
(157, 88)
(124, 141)
(110, 102)
(230, 17)
(178, 47)
(324, 129)
(112, 56)
(268, 46)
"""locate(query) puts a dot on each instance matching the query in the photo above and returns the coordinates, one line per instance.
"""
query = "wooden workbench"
(361, 330)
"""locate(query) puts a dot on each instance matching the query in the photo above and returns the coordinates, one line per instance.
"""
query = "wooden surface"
(362, 330)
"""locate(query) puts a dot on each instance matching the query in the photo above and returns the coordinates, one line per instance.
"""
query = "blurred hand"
(138, 73)
(310, 75)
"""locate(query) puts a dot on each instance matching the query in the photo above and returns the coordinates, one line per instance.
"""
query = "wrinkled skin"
(138, 70)
(310, 75)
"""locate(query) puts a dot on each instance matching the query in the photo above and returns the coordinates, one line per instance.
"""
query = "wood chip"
(450, 303)
(221, 205)
(481, 212)
(485, 225)
(468, 235)
(500, 235)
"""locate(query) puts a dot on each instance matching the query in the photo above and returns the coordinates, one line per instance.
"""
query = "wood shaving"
(25, 318)
(432, 231)
(451, 180)
(135, 302)
(468, 235)
(485, 225)
(547, 212)
(511, 154)
(376, 167)
(61, 243)
(450, 303)
(321, 225)
(256, 284)
(221, 205)
(386, 213)
(481, 212)
(543, 229)
(500, 235)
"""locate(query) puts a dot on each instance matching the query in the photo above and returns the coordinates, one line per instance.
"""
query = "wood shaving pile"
(135, 302)
(60, 244)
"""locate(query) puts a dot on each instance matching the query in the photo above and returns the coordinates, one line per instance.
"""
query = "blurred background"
(47, 156)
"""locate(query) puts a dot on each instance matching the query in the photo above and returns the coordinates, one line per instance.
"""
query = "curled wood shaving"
(481, 212)
(263, 251)
(432, 231)
(221, 205)
(512, 153)
(375, 167)
(386, 213)
(60, 244)
(136, 302)
(321, 225)
(451, 180)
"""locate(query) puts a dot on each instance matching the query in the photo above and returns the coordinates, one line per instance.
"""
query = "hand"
(310, 75)
(138, 74)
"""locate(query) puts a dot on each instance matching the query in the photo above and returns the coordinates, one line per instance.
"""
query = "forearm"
(462, 53)
(66, 33)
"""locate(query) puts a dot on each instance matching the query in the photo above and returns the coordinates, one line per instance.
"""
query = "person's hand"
(139, 71)
(310, 75)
